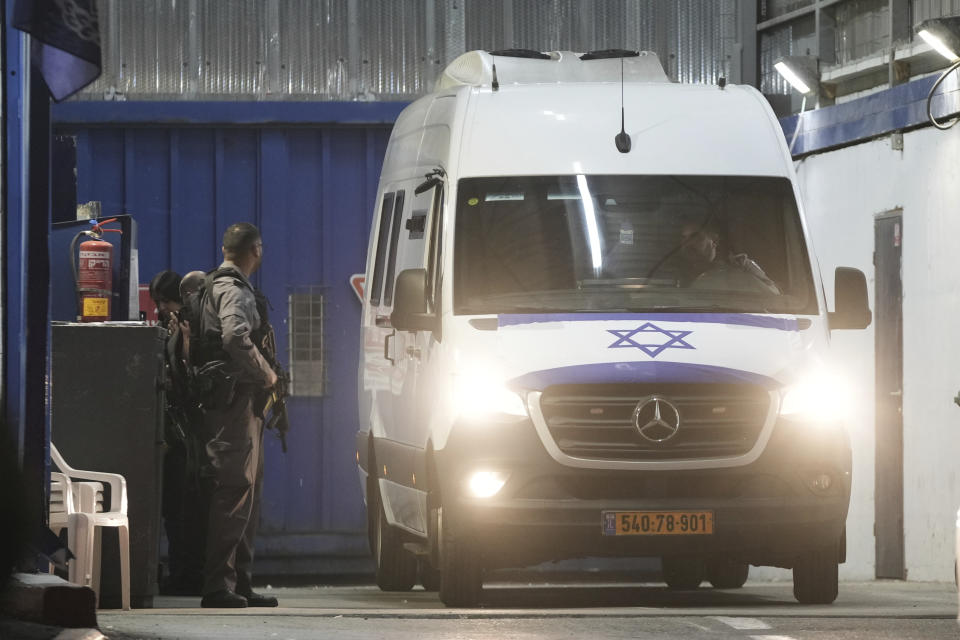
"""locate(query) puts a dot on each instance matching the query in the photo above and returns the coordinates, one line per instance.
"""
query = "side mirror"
(850, 292)
(410, 302)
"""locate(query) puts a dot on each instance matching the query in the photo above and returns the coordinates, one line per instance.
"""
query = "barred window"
(305, 344)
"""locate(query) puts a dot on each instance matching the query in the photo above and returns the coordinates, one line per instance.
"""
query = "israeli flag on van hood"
(597, 348)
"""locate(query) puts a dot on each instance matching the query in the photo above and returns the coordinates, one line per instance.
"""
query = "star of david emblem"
(626, 339)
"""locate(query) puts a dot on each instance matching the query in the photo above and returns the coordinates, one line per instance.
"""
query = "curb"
(50, 600)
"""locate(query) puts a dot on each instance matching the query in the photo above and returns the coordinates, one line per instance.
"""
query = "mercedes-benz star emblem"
(656, 419)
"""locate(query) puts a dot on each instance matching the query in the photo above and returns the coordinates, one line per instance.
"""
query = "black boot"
(224, 599)
(257, 600)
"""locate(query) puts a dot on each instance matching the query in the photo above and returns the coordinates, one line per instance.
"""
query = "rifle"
(276, 400)
(277, 405)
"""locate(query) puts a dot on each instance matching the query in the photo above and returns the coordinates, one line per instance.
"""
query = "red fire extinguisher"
(93, 275)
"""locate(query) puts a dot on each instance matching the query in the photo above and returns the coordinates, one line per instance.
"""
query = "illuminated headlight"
(486, 484)
(821, 398)
(480, 394)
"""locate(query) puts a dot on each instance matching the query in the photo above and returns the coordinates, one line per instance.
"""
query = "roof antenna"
(495, 85)
(622, 140)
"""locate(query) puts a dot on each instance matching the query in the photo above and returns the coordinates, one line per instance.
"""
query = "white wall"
(844, 190)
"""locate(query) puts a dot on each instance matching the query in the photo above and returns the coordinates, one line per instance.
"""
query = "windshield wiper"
(715, 309)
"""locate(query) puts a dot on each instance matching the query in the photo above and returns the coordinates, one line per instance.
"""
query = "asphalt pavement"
(759, 611)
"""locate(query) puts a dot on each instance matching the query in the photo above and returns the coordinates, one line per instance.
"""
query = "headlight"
(480, 394)
(820, 397)
(486, 484)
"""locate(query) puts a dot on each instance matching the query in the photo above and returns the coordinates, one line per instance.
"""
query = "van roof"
(675, 129)
(559, 115)
(475, 68)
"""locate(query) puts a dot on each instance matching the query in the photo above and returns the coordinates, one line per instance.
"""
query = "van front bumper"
(765, 513)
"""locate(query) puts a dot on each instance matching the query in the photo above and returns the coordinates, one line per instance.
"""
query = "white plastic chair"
(79, 506)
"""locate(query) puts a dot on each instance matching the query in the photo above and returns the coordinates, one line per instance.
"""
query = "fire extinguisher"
(93, 276)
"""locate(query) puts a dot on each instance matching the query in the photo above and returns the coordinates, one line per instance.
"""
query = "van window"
(630, 243)
(386, 211)
(392, 259)
(433, 259)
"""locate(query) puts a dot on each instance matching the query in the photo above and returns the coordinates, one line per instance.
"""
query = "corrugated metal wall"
(862, 28)
(695, 39)
(924, 9)
(386, 50)
(311, 192)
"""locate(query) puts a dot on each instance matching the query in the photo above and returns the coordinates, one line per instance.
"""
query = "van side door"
(377, 330)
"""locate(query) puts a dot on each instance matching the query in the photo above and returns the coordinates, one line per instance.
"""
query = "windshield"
(630, 243)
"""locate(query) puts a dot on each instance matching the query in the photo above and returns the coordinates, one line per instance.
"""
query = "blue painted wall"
(897, 109)
(310, 189)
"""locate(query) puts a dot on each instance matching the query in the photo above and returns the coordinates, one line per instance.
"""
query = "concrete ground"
(759, 611)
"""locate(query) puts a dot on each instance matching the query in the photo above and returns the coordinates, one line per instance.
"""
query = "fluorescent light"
(790, 76)
(938, 45)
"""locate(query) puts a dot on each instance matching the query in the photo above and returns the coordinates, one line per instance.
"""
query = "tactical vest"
(209, 342)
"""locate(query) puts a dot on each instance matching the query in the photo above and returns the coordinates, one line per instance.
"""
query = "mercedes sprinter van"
(593, 326)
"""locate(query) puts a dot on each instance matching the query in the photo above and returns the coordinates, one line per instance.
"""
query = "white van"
(594, 326)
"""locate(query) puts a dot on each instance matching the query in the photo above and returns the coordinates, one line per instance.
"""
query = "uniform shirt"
(232, 312)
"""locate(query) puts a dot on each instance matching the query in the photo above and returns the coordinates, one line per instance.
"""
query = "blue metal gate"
(310, 189)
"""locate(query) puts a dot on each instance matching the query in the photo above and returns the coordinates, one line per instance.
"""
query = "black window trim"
(390, 279)
(386, 213)
(434, 247)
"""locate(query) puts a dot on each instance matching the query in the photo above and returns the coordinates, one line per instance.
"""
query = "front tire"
(461, 582)
(682, 573)
(727, 574)
(396, 567)
(815, 577)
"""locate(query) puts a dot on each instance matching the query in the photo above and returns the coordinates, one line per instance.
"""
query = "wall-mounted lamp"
(802, 72)
(943, 35)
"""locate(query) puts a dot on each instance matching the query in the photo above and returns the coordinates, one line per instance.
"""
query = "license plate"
(657, 523)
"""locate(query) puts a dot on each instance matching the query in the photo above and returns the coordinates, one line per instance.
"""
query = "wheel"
(396, 567)
(682, 572)
(429, 576)
(727, 574)
(815, 577)
(460, 579)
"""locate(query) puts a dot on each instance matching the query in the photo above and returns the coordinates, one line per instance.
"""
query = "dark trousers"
(185, 512)
(235, 447)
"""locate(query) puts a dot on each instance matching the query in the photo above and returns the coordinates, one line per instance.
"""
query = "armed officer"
(182, 509)
(228, 341)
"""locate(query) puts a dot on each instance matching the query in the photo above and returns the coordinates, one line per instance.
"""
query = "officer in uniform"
(230, 334)
(183, 510)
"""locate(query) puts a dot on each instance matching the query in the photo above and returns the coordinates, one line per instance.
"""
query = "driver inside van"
(701, 259)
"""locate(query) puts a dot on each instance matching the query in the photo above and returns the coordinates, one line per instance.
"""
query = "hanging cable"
(933, 121)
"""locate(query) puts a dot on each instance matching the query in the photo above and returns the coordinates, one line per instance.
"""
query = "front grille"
(655, 486)
(596, 421)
